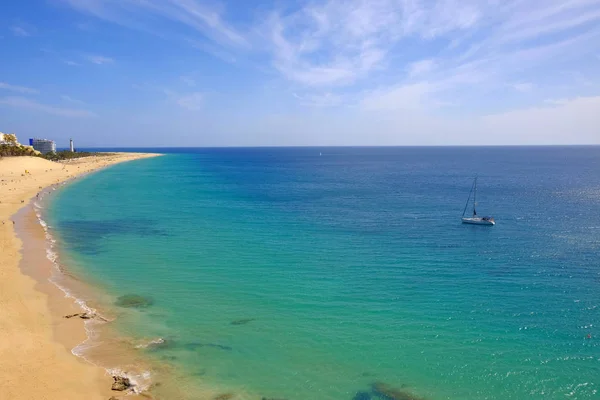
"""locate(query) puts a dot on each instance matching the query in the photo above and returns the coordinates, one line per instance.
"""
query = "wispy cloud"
(20, 31)
(420, 68)
(99, 60)
(71, 63)
(403, 97)
(190, 101)
(384, 49)
(69, 99)
(188, 80)
(212, 49)
(84, 26)
(523, 87)
(204, 19)
(337, 42)
(19, 89)
(327, 99)
(23, 102)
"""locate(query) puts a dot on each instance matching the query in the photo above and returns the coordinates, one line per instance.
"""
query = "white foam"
(140, 381)
(150, 343)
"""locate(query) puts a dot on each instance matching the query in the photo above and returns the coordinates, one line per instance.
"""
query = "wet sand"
(35, 338)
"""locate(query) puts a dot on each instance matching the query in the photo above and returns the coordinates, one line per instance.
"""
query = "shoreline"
(36, 342)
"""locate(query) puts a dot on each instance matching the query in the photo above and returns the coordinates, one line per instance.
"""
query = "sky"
(146, 73)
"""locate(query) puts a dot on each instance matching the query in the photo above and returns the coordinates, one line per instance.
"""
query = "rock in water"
(390, 393)
(362, 396)
(134, 301)
(121, 383)
(242, 321)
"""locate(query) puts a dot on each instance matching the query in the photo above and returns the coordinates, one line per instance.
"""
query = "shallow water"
(285, 274)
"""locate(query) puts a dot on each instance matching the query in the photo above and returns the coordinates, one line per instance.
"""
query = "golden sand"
(35, 341)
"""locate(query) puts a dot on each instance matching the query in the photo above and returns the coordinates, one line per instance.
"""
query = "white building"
(43, 145)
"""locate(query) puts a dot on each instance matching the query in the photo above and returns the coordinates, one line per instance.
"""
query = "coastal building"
(71, 146)
(43, 145)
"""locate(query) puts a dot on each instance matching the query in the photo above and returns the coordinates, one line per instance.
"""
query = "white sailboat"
(474, 219)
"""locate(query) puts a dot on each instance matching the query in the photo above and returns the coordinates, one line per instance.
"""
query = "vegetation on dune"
(68, 155)
(8, 150)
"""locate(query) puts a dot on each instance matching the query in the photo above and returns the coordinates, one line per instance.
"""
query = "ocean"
(345, 273)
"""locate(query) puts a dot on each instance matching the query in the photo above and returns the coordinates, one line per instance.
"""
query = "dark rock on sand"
(242, 321)
(362, 396)
(114, 398)
(82, 316)
(134, 301)
(120, 383)
(225, 396)
(388, 392)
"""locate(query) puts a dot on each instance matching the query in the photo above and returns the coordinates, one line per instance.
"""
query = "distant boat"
(475, 220)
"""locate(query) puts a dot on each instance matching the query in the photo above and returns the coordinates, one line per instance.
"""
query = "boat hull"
(478, 221)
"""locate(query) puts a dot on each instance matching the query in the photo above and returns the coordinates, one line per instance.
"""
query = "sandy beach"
(35, 340)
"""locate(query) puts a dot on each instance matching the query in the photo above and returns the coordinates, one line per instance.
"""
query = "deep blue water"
(351, 267)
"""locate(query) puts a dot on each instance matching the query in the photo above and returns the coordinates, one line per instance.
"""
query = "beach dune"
(34, 363)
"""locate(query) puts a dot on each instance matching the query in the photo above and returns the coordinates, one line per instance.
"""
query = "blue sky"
(323, 72)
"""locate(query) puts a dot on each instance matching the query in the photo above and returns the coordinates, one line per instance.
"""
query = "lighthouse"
(71, 146)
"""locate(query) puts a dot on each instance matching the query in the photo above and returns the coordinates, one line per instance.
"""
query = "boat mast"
(469, 198)
(475, 197)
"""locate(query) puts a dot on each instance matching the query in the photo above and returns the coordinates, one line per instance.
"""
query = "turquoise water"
(352, 268)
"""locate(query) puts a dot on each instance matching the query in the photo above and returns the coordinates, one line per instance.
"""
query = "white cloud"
(214, 50)
(550, 27)
(188, 80)
(575, 120)
(523, 87)
(69, 99)
(344, 42)
(408, 97)
(99, 60)
(559, 123)
(84, 26)
(23, 102)
(204, 19)
(19, 89)
(386, 56)
(338, 42)
(71, 63)
(319, 100)
(422, 67)
(20, 31)
(190, 101)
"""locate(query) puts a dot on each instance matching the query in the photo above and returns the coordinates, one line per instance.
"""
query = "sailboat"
(475, 220)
